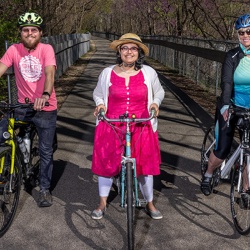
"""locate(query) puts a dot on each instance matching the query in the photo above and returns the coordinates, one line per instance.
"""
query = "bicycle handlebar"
(4, 105)
(237, 111)
(125, 118)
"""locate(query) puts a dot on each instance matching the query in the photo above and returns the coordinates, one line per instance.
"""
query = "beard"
(30, 44)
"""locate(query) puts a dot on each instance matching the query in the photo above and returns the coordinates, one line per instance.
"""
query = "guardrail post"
(8, 76)
(217, 79)
(197, 70)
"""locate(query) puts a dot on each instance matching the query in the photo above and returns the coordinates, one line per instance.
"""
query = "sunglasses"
(242, 33)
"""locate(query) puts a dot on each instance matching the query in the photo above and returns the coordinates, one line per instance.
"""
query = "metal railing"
(68, 48)
(197, 59)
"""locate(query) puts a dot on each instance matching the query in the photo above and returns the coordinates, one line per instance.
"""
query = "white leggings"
(145, 183)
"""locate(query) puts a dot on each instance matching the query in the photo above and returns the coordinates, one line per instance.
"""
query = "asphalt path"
(191, 220)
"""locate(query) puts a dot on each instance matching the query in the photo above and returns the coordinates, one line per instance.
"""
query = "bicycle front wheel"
(240, 205)
(10, 185)
(130, 205)
(208, 146)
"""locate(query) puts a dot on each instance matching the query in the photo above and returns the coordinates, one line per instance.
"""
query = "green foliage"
(8, 32)
(3, 89)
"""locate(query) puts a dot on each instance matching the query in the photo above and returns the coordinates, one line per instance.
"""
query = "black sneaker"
(45, 198)
(245, 198)
(206, 185)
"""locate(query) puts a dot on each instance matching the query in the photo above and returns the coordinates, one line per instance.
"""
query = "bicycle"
(19, 160)
(126, 182)
(236, 167)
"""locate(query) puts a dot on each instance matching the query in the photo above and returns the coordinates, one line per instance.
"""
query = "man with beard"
(34, 67)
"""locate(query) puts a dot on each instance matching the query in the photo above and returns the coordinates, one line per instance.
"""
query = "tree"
(210, 19)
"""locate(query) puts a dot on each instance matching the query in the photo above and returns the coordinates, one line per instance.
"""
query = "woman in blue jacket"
(235, 85)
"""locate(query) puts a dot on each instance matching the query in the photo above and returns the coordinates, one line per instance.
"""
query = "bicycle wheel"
(130, 205)
(34, 158)
(206, 149)
(10, 186)
(208, 145)
(240, 208)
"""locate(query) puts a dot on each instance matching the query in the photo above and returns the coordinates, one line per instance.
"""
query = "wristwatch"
(46, 93)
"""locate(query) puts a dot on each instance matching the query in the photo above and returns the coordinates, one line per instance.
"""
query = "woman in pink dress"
(133, 88)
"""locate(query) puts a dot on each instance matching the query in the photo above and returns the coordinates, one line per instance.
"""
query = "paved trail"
(191, 221)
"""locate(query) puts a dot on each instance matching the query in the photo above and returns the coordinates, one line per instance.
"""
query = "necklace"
(126, 71)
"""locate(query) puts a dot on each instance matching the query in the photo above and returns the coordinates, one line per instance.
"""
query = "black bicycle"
(19, 160)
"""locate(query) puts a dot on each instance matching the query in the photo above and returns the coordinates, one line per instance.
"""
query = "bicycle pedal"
(2, 184)
(142, 202)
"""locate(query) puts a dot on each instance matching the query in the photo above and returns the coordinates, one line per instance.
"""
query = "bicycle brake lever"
(101, 114)
(153, 111)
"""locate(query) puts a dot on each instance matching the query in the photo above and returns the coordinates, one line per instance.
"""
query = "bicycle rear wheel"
(240, 208)
(10, 186)
(130, 205)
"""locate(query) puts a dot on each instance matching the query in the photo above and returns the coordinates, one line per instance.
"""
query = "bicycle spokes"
(240, 201)
(10, 185)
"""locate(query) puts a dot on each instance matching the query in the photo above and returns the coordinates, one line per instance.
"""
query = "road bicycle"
(236, 168)
(19, 160)
(126, 182)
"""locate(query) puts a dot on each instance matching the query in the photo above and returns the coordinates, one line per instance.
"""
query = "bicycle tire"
(208, 145)
(206, 149)
(9, 199)
(130, 205)
(240, 211)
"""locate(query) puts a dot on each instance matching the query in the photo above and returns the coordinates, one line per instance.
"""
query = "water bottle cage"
(23, 149)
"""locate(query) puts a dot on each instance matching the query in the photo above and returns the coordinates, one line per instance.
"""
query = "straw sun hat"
(129, 38)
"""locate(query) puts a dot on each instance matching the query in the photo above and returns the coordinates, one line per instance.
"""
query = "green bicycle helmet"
(30, 19)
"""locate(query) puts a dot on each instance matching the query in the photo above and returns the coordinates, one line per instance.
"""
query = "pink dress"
(109, 141)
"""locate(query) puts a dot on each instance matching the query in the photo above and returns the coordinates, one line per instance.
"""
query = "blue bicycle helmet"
(242, 22)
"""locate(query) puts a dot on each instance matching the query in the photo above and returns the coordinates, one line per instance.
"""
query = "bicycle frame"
(14, 149)
(127, 158)
(128, 179)
(236, 168)
(240, 151)
(19, 161)
(226, 166)
(11, 141)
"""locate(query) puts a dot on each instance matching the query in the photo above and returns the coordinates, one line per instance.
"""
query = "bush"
(3, 89)
(8, 32)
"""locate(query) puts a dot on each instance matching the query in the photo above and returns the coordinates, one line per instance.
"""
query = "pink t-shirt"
(29, 71)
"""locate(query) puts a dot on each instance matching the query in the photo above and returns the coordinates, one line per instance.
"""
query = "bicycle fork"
(125, 165)
(127, 161)
(244, 170)
(11, 160)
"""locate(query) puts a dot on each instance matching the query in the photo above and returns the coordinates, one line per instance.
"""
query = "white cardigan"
(155, 91)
